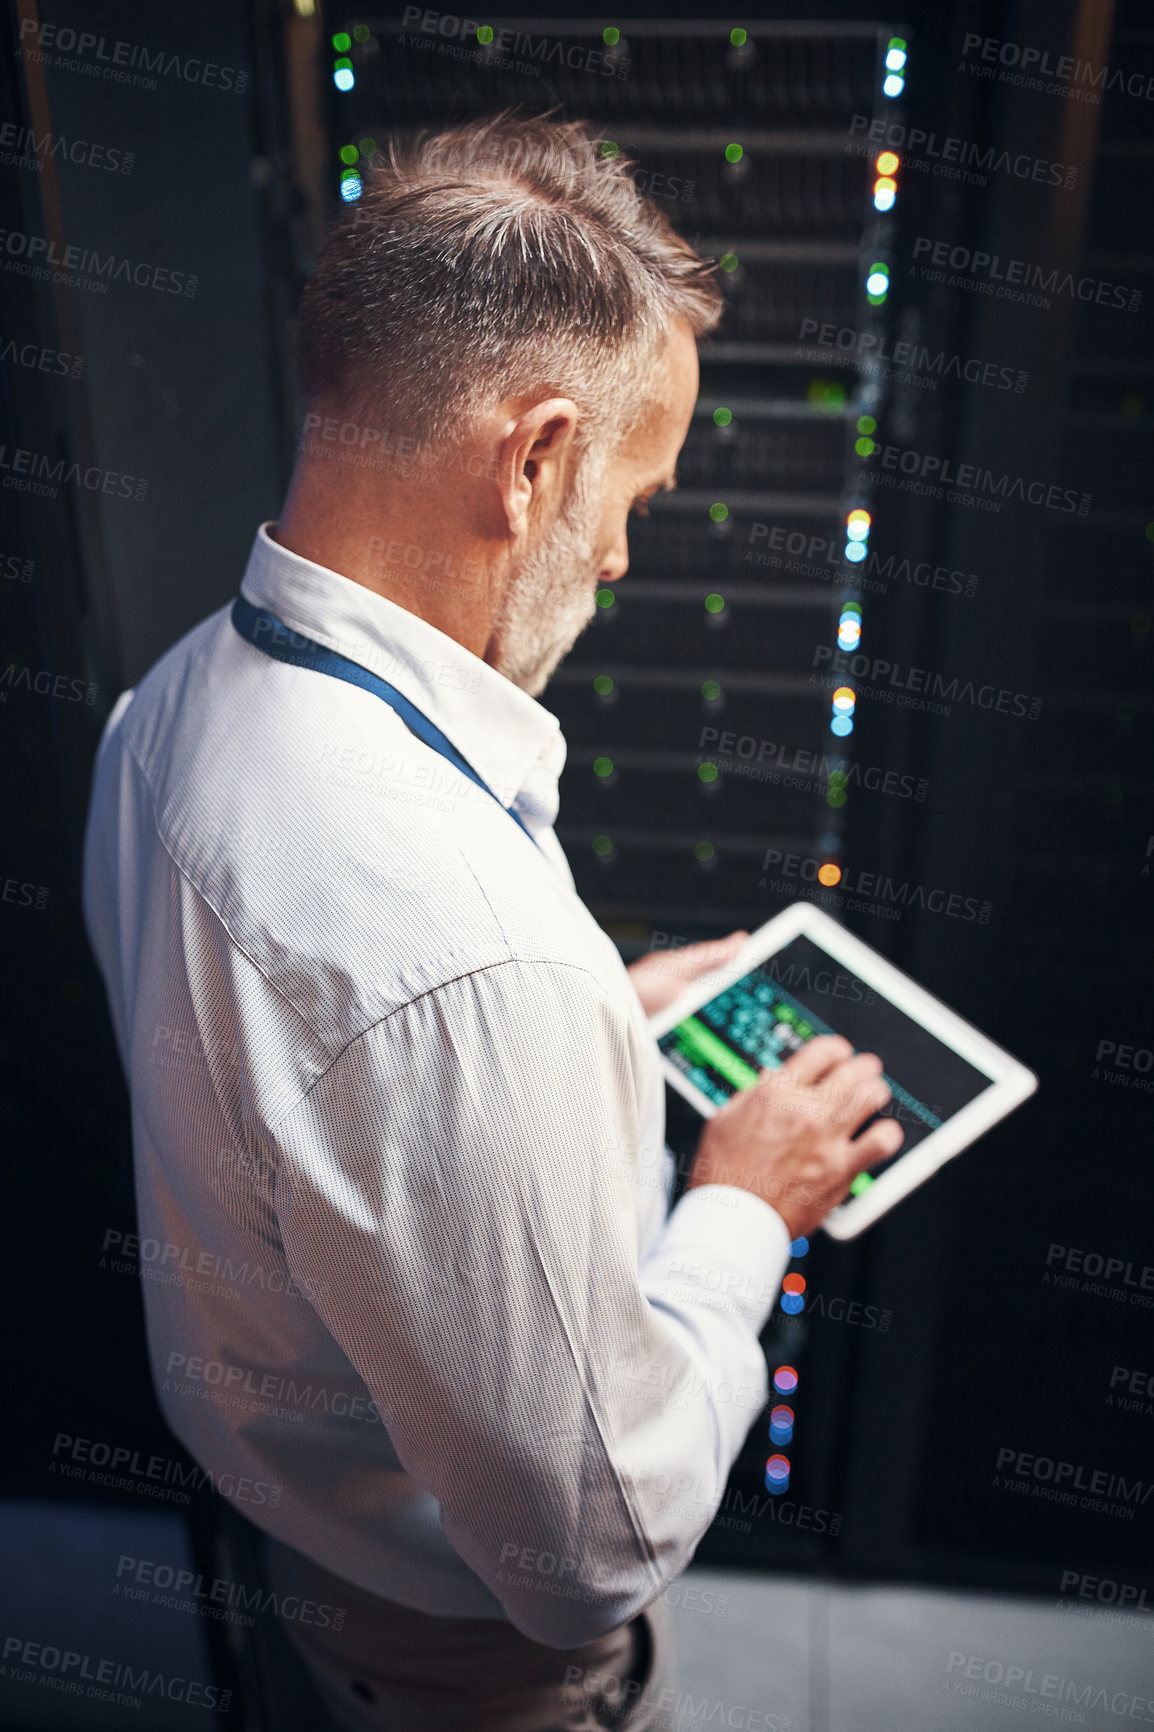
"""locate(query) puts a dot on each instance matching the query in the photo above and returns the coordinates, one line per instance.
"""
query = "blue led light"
(877, 283)
(352, 188)
(793, 1303)
(895, 59)
(781, 1434)
(841, 725)
(855, 551)
(799, 1247)
(884, 196)
(344, 78)
(894, 84)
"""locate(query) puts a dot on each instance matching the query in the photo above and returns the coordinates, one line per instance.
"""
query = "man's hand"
(663, 975)
(787, 1139)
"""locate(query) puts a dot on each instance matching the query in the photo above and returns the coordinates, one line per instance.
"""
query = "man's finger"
(815, 1058)
(877, 1144)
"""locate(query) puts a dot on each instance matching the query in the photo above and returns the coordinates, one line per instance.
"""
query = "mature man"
(394, 1094)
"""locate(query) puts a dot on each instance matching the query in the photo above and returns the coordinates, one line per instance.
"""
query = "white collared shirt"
(414, 1296)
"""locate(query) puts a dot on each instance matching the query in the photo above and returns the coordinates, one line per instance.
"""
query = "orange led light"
(887, 163)
(829, 874)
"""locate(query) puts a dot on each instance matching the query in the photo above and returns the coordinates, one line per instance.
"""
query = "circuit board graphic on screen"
(753, 1026)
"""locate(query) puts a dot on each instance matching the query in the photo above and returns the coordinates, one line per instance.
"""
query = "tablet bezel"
(1010, 1081)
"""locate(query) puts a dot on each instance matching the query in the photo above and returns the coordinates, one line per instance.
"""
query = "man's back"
(356, 1004)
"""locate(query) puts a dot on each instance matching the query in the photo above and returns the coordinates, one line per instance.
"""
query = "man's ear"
(533, 460)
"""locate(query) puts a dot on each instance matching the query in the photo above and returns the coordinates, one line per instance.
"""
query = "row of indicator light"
(782, 1418)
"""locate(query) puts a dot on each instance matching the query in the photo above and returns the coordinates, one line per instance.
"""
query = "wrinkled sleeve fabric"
(453, 1186)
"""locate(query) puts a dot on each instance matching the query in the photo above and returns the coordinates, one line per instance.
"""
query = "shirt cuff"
(724, 1249)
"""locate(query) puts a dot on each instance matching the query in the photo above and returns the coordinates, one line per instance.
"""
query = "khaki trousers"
(393, 1669)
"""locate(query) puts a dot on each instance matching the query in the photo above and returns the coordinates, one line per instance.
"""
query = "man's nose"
(616, 562)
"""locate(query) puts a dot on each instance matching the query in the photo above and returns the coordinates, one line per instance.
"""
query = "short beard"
(552, 596)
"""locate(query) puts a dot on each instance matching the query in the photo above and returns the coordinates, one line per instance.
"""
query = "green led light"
(342, 42)
(722, 417)
(861, 1183)
(603, 685)
(361, 33)
(1150, 532)
(608, 148)
(830, 393)
(605, 598)
(603, 766)
(343, 64)
(728, 261)
(719, 512)
(611, 35)
(602, 845)
(838, 778)
(733, 153)
(714, 603)
(707, 772)
(897, 42)
(349, 174)
(737, 36)
(864, 447)
(703, 850)
(485, 33)
(368, 147)
(835, 797)
(349, 153)
(710, 689)
(866, 424)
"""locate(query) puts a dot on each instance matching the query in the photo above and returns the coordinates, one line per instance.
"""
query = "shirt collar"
(511, 740)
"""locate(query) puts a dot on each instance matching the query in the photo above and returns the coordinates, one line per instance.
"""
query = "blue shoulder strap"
(269, 634)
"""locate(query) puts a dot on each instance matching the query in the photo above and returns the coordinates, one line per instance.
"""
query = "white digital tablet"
(802, 974)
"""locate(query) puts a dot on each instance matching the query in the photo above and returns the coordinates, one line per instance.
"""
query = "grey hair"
(491, 260)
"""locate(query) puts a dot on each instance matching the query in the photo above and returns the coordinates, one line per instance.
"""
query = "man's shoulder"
(315, 827)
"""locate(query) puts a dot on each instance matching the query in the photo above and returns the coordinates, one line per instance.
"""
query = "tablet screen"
(801, 991)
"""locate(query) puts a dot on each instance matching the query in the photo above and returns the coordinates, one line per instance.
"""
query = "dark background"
(1042, 824)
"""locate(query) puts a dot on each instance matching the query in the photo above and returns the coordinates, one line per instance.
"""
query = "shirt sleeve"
(453, 1187)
